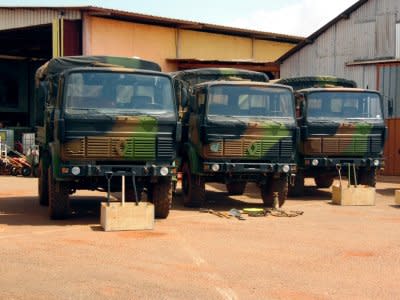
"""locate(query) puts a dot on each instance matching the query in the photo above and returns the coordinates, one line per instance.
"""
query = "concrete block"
(397, 197)
(127, 217)
(351, 195)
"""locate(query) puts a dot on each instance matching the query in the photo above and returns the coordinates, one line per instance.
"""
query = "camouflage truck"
(99, 117)
(237, 128)
(340, 126)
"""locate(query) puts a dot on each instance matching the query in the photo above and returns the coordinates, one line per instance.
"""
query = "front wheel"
(161, 197)
(323, 181)
(367, 177)
(275, 185)
(193, 188)
(43, 184)
(58, 197)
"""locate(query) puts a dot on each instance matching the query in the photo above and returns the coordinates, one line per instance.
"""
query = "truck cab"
(342, 130)
(99, 117)
(237, 131)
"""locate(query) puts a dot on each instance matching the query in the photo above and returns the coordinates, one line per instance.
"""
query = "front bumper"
(246, 168)
(82, 170)
(317, 162)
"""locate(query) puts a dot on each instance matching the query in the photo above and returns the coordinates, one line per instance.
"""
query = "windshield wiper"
(228, 117)
(322, 121)
(91, 111)
(362, 118)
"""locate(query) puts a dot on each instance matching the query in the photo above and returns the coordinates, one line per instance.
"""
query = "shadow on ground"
(386, 191)
(217, 197)
(27, 211)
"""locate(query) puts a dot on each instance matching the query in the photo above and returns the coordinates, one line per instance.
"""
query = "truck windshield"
(343, 105)
(250, 101)
(114, 92)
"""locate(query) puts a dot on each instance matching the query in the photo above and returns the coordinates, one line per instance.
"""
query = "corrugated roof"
(310, 39)
(169, 22)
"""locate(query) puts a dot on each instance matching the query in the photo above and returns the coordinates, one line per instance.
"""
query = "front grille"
(246, 148)
(74, 149)
(342, 145)
(286, 146)
(103, 147)
(165, 148)
(376, 144)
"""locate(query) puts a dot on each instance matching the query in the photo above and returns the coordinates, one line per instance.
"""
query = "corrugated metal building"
(31, 35)
(363, 44)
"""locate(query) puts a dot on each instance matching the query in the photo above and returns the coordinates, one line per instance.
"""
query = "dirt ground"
(329, 252)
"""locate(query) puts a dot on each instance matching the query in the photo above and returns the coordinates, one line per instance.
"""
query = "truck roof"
(336, 89)
(242, 83)
(196, 76)
(299, 83)
(57, 65)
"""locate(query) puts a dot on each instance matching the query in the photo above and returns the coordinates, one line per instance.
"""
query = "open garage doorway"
(22, 51)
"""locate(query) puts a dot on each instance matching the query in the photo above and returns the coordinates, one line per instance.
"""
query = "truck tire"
(236, 188)
(58, 197)
(43, 184)
(161, 197)
(193, 188)
(323, 181)
(367, 177)
(297, 189)
(279, 185)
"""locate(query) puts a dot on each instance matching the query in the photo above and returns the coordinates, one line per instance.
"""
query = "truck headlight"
(76, 171)
(215, 167)
(285, 168)
(315, 162)
(164, 171)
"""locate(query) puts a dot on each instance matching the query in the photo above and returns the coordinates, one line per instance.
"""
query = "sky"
(291, 17)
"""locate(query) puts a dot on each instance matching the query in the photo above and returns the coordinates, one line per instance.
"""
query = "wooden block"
(360, 195)
(397, 197)
(127, 217)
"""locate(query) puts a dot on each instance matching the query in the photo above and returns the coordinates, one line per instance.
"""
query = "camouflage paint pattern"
(257, 140)
(125, 139)
(55, 66)
(249, 140)
(354, 139)
(196, 76)
(332, 139)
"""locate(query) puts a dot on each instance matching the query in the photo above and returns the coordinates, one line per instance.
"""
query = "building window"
(398, 40)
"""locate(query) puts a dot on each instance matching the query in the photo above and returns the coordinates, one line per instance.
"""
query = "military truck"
(237, 128)
(341, 126)
(99, 118)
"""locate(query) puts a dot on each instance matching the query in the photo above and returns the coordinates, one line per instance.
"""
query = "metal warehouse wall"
(12, 18)
(368, 34)
(389, 86)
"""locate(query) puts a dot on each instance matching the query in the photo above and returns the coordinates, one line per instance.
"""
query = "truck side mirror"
(40, 99)
(184, 97)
